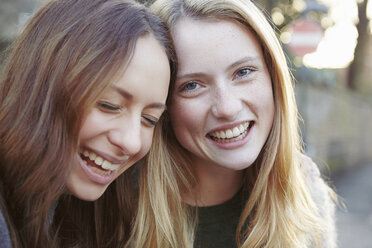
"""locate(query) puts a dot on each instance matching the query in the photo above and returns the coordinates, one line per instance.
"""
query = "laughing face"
(118, 130)
(222, 105)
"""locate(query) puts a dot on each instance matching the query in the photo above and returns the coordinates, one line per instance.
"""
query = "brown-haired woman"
(80, 94)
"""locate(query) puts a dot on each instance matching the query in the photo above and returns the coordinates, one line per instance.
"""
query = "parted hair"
(280, 211)
(68, 54)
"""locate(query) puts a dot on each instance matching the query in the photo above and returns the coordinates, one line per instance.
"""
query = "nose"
(126, 135)
(226, 104)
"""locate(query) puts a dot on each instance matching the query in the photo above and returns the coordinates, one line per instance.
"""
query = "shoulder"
(323, 196)
(319, 189)
(4, 233)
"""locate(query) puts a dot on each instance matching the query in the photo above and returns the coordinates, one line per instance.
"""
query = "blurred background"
(329, 48)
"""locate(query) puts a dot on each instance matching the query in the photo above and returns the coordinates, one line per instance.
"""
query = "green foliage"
(290, 10)
(146, 2)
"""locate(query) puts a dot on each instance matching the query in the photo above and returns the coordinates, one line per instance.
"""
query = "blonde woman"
(80, 95)
(229, 171)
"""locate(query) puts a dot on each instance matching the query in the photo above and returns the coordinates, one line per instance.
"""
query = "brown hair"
(69, 52)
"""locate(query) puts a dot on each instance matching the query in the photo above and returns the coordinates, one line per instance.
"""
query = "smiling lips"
(103, 165)
(232, 134)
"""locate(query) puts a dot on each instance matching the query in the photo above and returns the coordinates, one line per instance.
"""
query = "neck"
(216, 184)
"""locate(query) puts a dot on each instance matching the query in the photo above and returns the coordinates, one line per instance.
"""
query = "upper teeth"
(100, 161)
(232, 132)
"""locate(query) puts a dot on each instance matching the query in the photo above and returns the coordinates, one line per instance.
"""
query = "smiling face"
(118, 130)
(222, 105)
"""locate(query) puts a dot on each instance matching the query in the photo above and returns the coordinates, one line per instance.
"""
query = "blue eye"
(192, 85)
(243, 72)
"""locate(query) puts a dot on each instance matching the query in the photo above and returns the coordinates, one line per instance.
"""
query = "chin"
(236, 167)
(238, 162)
(86, 191)
(88, 195)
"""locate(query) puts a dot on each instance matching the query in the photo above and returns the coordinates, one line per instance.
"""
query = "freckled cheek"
(262, 97)
(185, 116)
(181, 112)
(266, 107)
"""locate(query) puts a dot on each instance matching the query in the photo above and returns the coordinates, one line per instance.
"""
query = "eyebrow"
(129, 96)
(194, 74)
(157, 105)
(240, 61)
(243, 60)
(122, 92)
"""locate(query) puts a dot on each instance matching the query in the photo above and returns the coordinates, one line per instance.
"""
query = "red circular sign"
(305, 36)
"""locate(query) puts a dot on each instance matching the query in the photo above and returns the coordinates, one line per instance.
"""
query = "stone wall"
(336, 125)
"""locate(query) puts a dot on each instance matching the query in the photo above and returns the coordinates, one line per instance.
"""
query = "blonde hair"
(281, 210)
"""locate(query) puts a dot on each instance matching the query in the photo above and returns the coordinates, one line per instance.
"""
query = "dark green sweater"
(217, 224)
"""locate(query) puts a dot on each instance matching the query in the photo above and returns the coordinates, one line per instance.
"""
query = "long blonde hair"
(280, 208)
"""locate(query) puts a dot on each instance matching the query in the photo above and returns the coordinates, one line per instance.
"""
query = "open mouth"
(232, 134)
(98, 164)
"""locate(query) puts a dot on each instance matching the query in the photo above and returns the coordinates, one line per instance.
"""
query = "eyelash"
(183, 88)
(249, 71)
(150, 121)
(112, 108)
(108, 107)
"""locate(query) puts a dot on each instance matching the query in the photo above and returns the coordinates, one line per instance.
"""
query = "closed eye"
(150, 120)
(108, 107)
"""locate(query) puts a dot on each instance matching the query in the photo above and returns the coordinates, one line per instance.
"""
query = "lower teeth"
(100, 171)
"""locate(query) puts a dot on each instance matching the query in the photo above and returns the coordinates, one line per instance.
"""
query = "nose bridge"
(126, 134)
(227, 103)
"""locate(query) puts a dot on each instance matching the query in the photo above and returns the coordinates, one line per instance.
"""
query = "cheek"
(262, 97)
(90, 126)
(188, 121)
(265, 103)
(146, 141)
(185, 115)
(269, 107)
